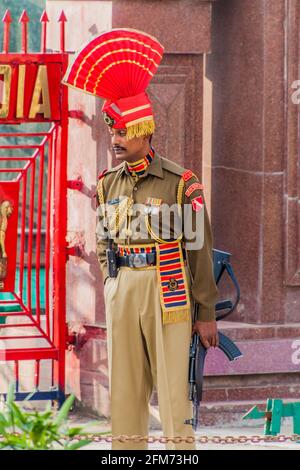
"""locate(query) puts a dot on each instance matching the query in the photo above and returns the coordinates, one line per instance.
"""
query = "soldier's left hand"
(207, 330)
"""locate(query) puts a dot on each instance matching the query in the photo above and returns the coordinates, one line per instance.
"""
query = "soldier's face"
(129, 150)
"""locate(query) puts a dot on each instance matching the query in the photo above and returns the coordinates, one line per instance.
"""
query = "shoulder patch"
(197, 203)
(193, 188)
(187, 175)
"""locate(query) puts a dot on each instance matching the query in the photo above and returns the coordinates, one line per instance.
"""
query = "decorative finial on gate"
(62, 19)
(6, 20)
(24, 20)
(44, 20)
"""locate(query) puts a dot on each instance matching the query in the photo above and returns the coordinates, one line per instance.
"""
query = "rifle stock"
(196, 369)
(226, 345)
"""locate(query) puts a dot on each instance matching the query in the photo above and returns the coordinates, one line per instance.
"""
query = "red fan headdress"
(118, 66)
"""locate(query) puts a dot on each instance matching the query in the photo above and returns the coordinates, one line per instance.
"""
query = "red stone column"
(253, 68)
(254, 62)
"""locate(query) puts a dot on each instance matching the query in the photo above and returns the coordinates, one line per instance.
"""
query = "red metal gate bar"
(44, 20)
(20, 146)
(11, 170)
(25, 325)
(26, 134)
(16, 158)
(30, 234)
(17, 375)
(60, 230)
(22, 337)
(37, 374)
(24, 20)
(31, 354)
(48, 227)
(38, 234)
(23, 221)
(6, 33)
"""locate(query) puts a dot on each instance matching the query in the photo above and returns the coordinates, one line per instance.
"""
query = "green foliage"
(36, 430)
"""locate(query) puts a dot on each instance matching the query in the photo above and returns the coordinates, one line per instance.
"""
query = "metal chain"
(190, 439)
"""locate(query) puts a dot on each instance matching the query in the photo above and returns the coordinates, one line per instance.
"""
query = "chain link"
(187, 439)
(190, 439)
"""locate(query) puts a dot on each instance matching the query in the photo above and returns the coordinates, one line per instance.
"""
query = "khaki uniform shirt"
(160, 181)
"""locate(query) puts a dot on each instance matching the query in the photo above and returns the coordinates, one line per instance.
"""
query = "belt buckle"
(137, 260)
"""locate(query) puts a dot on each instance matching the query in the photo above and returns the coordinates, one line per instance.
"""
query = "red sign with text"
(30, 92)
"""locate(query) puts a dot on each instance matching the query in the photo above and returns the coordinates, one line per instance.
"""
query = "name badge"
(113, 201)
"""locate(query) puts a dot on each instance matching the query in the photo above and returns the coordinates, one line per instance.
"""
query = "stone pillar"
(254, 62)
(253, 68)
(183, 27)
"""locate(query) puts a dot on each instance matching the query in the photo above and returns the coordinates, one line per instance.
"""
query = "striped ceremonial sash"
(174, 294)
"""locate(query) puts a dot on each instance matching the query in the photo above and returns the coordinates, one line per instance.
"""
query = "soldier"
(153, 272)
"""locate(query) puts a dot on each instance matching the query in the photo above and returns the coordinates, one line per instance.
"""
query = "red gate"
(33, 217)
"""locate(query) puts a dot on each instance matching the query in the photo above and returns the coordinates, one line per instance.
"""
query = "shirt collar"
(155, 168)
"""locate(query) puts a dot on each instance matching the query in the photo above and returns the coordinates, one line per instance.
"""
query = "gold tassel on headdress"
(140, 129)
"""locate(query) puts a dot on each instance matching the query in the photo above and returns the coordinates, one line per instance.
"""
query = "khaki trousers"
(143, 353)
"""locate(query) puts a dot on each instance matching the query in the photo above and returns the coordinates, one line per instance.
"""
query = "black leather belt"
(137, 260)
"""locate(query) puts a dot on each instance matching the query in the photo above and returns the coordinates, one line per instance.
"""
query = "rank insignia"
(197, 203)
(187, 175)
(193, 188)
(108, 120)
(173, 284)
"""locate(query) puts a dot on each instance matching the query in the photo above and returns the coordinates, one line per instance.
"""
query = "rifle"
(197, 350)
(111, 257)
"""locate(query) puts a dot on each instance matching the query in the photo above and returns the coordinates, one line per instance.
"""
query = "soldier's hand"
(207, 330)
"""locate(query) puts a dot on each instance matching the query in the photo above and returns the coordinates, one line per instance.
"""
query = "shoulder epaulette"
(172, 167)
(115, 168)
(102, 174)
(110, 170)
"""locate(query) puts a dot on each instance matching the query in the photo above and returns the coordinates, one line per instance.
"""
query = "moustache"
(117, 147)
